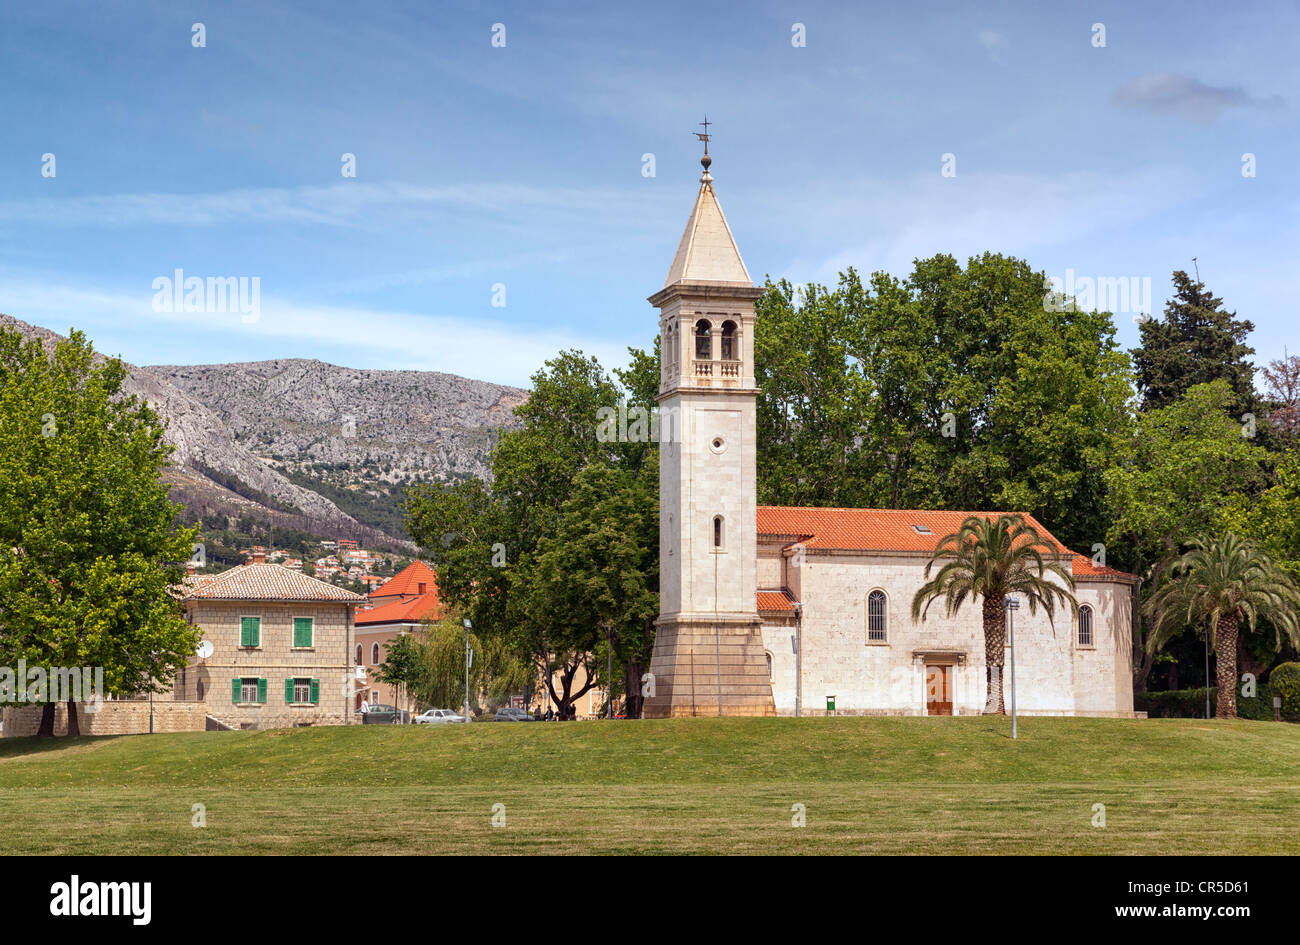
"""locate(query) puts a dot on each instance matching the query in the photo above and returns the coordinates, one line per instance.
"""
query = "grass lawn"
(868, 785)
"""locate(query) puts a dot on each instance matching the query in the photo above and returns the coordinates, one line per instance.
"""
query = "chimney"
(419, 588)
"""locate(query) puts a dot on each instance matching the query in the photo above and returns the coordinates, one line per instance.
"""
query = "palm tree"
(989, 559)
(1219, 583)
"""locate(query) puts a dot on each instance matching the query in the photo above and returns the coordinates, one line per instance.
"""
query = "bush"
(1190, 703)
(1284, 681)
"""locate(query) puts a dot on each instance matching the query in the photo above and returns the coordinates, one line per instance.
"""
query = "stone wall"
(113, 718)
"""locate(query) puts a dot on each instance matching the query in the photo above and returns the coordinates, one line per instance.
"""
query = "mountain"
(314, 447)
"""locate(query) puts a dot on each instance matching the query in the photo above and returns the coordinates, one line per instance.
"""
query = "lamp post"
(1012, 605)
(467, 625)
(798, 659)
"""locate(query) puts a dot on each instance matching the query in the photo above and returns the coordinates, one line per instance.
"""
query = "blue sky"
(522, 165)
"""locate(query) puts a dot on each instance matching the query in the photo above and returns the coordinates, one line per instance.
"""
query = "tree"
(958, 389)
(1282, 380)
(1170, 481)
(437, 677)
(497, 550)
(990, 559)
(89, 542)
(1196, 342)
(400, 664)
(1220, 583)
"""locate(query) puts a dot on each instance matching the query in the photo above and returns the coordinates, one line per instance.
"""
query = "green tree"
(1220, 584)
(989, 559)
(89, 542)
(1196, 342)
(959, 389)
(400, 664)
(1169, 481)
(487, 544)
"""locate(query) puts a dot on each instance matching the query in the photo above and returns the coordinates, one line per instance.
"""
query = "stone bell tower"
(708, 654)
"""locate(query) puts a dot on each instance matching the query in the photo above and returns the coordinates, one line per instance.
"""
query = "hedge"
(1284, 680)
(1190, 703)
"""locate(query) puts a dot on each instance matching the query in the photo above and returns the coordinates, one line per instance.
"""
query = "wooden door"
(938, 690)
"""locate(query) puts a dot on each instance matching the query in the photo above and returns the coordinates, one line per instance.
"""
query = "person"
(550, 714)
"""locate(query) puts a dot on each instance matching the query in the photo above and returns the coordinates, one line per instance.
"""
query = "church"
(767, 610)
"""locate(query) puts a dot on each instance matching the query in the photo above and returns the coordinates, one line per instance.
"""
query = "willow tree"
(986, 560)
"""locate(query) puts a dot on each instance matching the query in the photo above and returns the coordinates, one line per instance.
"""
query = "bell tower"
(708, 655)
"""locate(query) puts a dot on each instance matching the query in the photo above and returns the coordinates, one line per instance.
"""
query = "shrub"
(1284, 681)
(1190, 703)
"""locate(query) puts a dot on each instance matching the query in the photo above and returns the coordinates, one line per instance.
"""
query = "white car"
(437, 717)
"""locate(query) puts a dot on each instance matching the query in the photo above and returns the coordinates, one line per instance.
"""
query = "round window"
(718, 444)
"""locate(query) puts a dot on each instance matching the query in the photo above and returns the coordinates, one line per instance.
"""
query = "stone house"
(281, 648)
(398, 606)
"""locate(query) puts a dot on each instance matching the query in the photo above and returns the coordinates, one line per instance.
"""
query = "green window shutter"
(302, 631)
(261, 691)
(288, 692)
(236, 689)
(315, 692)
(250, 631)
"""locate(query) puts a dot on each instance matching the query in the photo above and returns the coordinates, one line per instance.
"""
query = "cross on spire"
(705, 136)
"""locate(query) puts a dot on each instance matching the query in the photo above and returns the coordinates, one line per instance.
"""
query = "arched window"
(1085, 625)
(729, 352)
(374, 654)
(703, 340)
(359, 654)
(719, 532)
(877, 628)
(769, 666)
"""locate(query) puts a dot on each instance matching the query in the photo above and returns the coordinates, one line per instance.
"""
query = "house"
(281, 646)
(398, 606)
(741, 586)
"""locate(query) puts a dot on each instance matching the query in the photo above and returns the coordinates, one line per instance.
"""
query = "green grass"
(869, 785)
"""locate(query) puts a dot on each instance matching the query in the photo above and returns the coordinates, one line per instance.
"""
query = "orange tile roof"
(889, 530)
(775, 600)
(406, 582)
(410, 610)
(267, 582)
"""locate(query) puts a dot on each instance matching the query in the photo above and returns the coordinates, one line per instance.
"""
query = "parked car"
(513, 715)
(380, 714)
(438, 717)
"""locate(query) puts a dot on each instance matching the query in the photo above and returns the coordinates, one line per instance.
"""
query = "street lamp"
(1012, 605)
(468, 626)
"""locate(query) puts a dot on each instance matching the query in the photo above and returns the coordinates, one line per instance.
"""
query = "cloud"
(470, 346)
(993, 42)
(341, 204)
(1162, 93)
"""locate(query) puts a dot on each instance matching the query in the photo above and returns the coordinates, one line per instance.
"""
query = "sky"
(503, 205)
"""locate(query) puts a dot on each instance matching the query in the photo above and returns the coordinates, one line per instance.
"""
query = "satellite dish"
(205, 649)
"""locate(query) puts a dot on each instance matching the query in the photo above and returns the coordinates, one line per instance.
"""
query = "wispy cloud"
(471, 346)
(993, 43)
(342, 204)
(1162, 93)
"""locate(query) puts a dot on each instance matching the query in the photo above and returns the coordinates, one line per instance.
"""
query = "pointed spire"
(707, 251)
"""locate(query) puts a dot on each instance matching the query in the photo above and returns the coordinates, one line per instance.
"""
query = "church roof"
(906, 530)
(707, 252)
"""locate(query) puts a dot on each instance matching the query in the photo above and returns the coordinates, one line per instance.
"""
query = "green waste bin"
(830, 705)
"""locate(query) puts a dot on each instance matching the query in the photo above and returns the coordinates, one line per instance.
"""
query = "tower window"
(719, 532)
(703, 340)
(1085, 625)
(729, 341)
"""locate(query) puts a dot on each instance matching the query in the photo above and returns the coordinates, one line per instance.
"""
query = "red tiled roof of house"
(267, 582)
(775, 600)
(408, 610)
(907, 530)
(407, 581)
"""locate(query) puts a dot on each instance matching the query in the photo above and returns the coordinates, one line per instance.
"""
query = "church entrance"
(938, 689)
